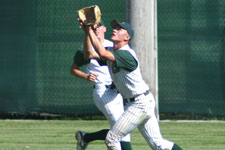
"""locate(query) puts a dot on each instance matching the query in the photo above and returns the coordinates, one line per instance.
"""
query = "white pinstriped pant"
(139, 114)
(110, 103)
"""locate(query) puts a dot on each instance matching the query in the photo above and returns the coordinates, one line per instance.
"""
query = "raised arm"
(102, 52)
(87, 47)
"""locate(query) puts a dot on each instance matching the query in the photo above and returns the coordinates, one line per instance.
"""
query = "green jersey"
(126, 74)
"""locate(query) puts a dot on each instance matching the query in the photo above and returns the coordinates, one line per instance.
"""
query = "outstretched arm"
(102, 52)
(87, 47)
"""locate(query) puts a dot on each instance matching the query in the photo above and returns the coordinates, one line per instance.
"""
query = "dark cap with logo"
(124, 25)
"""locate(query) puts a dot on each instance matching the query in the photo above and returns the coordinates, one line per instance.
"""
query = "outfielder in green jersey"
(126, 75)
(105, 95)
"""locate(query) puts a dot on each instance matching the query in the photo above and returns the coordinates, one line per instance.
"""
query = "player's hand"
(80, 21)
(92, 77)
(83, 26)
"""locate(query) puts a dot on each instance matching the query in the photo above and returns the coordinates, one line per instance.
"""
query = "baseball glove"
(90, 15)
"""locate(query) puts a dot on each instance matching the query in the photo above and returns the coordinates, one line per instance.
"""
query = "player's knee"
(112, 141)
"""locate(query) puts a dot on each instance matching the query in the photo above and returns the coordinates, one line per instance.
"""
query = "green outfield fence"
(39, 38)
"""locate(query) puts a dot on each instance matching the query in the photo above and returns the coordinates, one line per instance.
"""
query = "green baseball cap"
(124, 25)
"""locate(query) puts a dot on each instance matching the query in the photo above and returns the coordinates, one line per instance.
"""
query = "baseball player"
(105, 95)
(125, 72)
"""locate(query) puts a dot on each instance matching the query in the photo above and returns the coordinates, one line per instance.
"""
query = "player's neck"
(118, 45)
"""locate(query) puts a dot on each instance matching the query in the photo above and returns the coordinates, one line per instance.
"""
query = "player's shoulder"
(127, 52)
(129, 49)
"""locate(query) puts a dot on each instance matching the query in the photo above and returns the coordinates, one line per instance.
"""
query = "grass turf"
(59, 134)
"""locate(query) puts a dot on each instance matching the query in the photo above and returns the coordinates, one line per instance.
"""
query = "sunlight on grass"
(59, 134)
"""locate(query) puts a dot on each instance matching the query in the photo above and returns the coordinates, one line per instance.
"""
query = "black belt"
(133, 98)
(111, 86)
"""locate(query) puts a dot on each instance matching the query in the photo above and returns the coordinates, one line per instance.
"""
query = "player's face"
(119, 34)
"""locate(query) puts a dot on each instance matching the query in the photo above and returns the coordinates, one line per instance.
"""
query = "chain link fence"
(191, 56)
(40, 37)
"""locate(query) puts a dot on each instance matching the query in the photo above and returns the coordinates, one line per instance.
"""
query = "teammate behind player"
(125, 72)
(105, 95)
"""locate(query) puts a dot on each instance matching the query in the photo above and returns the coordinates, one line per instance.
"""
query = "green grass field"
(59, 134)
